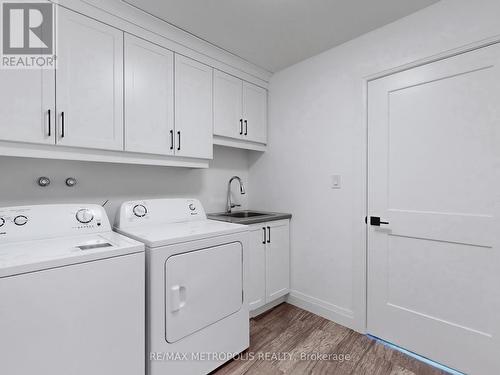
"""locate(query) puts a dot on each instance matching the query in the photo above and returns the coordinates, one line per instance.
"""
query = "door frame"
(366, 80)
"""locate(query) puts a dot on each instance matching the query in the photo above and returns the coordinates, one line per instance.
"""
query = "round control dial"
(192, 206)
(84, 215)
(140, 210)
(20, 220)
(2, 221)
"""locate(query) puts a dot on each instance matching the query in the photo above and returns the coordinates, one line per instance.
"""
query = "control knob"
(192, 207)
(84, 215)
(2, 221)
(20, 220)
(140, 210)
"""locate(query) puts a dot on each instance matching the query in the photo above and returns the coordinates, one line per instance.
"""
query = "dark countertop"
(266, 216)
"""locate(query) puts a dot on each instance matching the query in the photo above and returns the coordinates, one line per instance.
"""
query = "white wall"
(317, 128)
(98, 182)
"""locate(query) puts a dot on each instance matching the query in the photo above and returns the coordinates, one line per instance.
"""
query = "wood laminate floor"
(288, 340)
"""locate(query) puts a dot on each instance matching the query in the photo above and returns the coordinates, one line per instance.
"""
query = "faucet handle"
(233, 205)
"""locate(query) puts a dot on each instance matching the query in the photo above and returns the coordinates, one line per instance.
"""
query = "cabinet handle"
(63, 125)
(171, 139)
(179, 144)
(241, 126)
(246, 127)
(264, 229)
(49, 134)
(269, 235)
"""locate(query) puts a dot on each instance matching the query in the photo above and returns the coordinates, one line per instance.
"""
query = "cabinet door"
(89, 83)
(255, 113)
(256, 293)
(27, 98)
(149, 97)
(228, 102)
(277, 259)
(193, 108)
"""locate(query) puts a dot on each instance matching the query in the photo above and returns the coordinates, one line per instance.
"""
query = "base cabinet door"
(89, 83)
(149, 97)
(254, 113)
(277, 259)
(193, 108)
(27, 98)
(257, 268)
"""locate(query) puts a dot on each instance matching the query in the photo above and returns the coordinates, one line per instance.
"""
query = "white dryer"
(196, 313)
(71, 293)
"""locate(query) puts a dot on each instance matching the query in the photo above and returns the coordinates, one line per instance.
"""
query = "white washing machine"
(196, 313)
(71, 293)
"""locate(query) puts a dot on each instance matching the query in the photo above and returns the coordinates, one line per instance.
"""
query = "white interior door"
(254, 113)
(149, 97)
(27, 98)
(228, 101)
(193, 108)
(434, 159)
(89, 83)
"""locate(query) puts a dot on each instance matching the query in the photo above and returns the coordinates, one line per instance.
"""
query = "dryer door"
(202, 287)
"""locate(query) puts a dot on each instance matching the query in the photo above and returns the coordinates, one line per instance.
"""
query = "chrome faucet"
(229, 205)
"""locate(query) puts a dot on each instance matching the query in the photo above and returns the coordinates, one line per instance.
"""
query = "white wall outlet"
(336, 181)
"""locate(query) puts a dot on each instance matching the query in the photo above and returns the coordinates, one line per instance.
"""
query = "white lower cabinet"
(269, 260)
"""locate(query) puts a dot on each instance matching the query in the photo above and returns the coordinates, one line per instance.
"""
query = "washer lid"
(172, 233)
(28, 256)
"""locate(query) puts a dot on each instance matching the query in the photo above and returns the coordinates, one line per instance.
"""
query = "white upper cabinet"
(122, 93)
(228, 105)
(149, 97)
(193, 108)
(89, 83)
(240, 109)
(27, 105)
(255, 113)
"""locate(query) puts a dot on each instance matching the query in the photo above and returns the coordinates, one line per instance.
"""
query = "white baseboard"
(322, 308)
(266, 307)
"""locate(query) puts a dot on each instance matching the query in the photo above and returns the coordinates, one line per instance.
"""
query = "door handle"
(264, 229)
(179, 144)
(376, 221)
(49, 133)
(63, 125)
(178, 297)
(246, 127)
(269, 235)
(241, 126)
(171, 139)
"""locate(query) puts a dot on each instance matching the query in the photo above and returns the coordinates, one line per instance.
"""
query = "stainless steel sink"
(248, 216)
(244, 214)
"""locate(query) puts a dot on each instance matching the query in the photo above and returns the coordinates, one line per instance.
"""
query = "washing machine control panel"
(49, 221)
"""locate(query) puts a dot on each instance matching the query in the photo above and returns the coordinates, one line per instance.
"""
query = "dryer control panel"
(159, 211)
(24, 223)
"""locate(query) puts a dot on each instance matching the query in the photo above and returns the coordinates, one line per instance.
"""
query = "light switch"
(336, 181)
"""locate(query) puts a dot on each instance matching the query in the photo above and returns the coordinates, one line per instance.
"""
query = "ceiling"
(275, 34)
